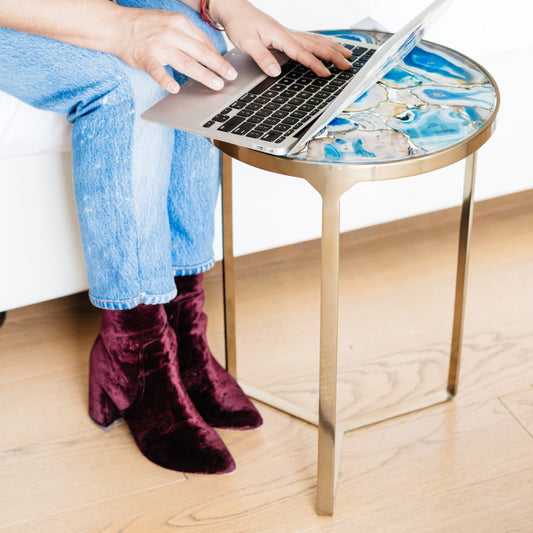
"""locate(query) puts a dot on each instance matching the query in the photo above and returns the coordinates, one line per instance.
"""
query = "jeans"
(145, 194)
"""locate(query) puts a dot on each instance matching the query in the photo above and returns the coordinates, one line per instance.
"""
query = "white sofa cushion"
(25, 130)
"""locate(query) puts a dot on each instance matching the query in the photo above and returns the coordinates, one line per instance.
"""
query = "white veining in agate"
(432, 100)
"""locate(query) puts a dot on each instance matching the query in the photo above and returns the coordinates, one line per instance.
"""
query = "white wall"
(273, 210)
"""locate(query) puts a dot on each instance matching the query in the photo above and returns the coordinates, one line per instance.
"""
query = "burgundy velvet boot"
(215, 393)
(134, 373)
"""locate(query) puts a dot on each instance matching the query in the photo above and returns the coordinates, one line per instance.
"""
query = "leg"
(462, 273)
(230, 326)
(329, 438)
(120, 190)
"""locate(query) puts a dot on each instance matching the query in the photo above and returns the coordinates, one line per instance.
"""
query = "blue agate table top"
(434, 99)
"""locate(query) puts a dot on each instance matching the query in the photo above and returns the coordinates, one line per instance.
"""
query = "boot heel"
(101, 408)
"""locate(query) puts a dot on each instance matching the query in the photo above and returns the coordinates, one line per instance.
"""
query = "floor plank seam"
(509, 410)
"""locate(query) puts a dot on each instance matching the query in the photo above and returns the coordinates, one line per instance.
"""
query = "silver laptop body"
(219, 114)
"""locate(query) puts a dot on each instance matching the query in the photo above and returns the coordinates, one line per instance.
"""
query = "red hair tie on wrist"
(206, 16)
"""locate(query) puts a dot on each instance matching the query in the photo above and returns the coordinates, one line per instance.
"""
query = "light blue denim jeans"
(145, 194)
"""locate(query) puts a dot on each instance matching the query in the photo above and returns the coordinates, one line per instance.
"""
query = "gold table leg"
(228, 274)
(331, 432)
(465, 228)
(329, 438)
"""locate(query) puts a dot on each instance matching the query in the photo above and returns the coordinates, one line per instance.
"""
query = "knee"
(122, 90)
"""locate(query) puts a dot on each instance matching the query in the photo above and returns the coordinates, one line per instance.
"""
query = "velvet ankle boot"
(215, 393)
(134, 373)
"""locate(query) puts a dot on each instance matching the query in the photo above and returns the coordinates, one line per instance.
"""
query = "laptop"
(279, 115)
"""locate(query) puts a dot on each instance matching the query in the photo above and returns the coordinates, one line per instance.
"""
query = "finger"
(161, 76)
(327, 41)
(189, 66)
(207, 56)
(261, 55)
(299, 53)
(324, 50)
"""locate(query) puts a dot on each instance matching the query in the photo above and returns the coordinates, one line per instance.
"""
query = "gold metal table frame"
(332, 180)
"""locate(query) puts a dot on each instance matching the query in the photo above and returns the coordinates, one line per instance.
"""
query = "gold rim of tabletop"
(370, 171)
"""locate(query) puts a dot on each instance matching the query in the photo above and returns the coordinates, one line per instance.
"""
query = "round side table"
(435, 108)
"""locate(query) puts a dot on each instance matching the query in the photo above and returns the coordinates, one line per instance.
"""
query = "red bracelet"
(206, 17)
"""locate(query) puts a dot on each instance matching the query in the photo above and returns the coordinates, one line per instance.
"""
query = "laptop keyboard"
(278, 107)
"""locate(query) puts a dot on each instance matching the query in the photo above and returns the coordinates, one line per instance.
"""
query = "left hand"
(254, 32)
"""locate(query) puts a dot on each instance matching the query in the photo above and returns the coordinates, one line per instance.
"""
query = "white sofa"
(41, 255)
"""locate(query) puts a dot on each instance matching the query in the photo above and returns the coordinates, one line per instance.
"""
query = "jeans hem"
(198, 269)
(147, 299)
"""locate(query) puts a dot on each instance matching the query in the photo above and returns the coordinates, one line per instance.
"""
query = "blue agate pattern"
(434, 99)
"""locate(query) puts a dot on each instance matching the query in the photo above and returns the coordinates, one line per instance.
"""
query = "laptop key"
(271, 136)
(238, 105)
(254, 134)
(288, 94)
(264, 112)
(247, 97)
(291, 121)
(245, 113)
(359, 50)
(243, 129)
(297, 100)
(270, 94)
(220, 118)
(298, 87)
(209, 123)
(261, 100)
(288, 107)
(231, 123)
(263, 86)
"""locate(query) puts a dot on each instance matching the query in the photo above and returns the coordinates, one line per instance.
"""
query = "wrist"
(207, 16)
(219, 10)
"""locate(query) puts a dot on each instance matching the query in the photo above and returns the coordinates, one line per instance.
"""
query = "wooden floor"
(465, 466)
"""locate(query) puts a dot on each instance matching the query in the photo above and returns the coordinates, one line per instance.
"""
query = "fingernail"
(232, 73)
(218, 84)
(173, 87)
(273, 70)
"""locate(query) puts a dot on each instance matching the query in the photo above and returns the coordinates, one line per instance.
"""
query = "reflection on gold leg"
(329, 439)
(462, 273)
(228, 274)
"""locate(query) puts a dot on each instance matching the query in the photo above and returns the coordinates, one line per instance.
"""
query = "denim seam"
(196, 269)
(141, 297)
(132, 170)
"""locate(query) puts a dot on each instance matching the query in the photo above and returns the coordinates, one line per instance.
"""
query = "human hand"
(254, 32)
(151, 39)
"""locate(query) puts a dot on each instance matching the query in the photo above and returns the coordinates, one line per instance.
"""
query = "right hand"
(153, 38)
